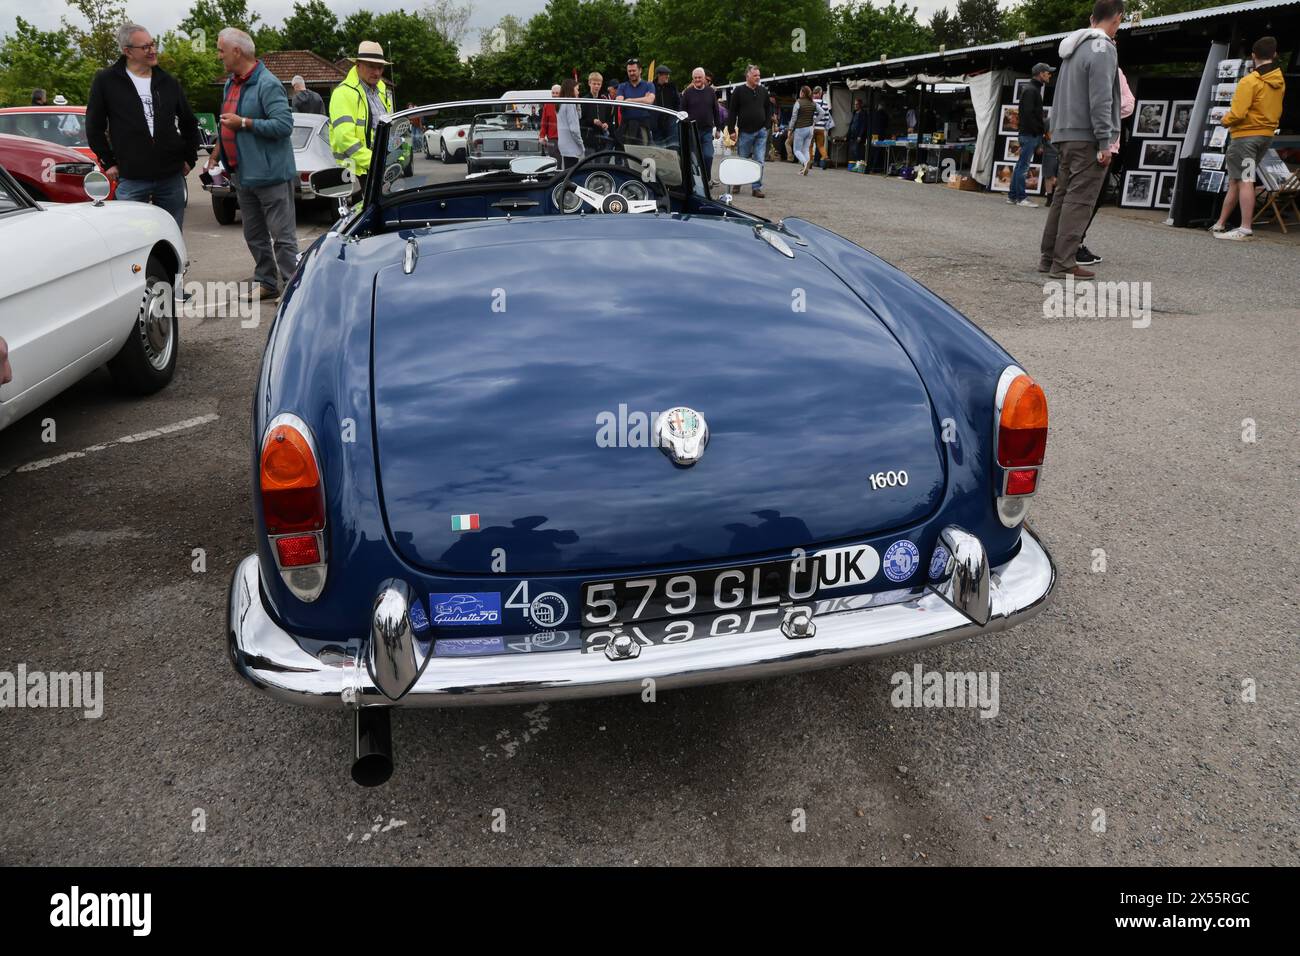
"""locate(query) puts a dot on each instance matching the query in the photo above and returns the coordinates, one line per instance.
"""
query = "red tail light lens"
(292, 499)
(1022, 482)
(298, 550)
(460, 134)
(1022, 430)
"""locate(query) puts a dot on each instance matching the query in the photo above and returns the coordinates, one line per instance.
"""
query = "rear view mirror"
(735, 171)
(336, 182)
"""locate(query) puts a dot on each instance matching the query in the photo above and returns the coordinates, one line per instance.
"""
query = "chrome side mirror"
(97, 187)
(736, 171)
(336, 182)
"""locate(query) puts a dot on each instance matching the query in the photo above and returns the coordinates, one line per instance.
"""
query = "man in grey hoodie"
(1084, 122)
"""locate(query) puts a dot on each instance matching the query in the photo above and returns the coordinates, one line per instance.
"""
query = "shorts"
(1245, 153)
(1051, 160)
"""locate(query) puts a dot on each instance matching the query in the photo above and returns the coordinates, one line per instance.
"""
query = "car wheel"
(443, 155)
(223, 207)
(147, 360)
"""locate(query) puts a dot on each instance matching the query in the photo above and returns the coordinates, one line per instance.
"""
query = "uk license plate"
(706, 592)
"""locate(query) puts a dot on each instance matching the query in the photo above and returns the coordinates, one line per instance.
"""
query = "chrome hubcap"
(156, 321)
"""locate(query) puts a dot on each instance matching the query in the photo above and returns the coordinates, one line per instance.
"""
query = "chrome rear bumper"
(991, 600)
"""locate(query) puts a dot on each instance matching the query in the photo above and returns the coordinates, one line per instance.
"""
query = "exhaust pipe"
(373, 763)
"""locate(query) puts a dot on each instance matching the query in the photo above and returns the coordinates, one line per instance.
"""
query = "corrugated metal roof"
(1142, 25)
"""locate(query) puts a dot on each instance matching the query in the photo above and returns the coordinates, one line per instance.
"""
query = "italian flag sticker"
(464, 522)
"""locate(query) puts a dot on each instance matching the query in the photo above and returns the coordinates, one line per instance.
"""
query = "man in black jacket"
(140, 125)
(1030, 130)
(597, 118)
(751, 111)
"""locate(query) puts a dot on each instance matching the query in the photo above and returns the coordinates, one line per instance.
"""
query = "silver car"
(497, 138)
(311, 151)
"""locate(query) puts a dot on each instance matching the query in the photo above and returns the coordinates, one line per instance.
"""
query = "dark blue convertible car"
(574, 426)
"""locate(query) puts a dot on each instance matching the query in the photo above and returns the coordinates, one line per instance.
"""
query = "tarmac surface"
(1122, 735)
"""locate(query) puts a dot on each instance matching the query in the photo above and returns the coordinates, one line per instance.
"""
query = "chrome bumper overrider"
(989, 599)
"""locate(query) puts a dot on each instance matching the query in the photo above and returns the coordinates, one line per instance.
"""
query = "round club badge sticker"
(547, 610)
(900, 561)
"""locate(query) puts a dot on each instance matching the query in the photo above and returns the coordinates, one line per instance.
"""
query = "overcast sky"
(161, 15)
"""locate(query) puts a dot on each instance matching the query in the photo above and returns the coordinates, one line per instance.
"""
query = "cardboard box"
(963, 182)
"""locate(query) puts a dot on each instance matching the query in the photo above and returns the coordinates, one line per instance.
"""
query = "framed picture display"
(1165, 190)
(1020, 87)
(1149, 118)
(1223, 92)
(1229, 69)
(1001, 182)
(1011, 151)
(1034, 179)
(1159, 154)
(1009, 122)
(1218, 138)
(1180, 117)
(1211, 160)
(1139, 189)
(1209, 181)
(1216, 115)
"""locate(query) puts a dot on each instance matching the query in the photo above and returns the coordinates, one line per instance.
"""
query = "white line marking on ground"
(124, 440)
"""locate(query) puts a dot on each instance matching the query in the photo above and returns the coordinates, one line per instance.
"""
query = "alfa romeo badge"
(682, 435)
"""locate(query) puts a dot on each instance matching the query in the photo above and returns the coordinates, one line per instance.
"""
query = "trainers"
(1237, 234)
(1086, 257)
(1028, 202)
(1010, 201)
(1216, 228)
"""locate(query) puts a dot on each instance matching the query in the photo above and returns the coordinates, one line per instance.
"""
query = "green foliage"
(946, 30)
(312, 26)
(864, 32)
(781, 36)
(1043, 17)
(981, 21)
(196, 67)
(98, 41)
(207, 18)
(426, 66)
(49, 59)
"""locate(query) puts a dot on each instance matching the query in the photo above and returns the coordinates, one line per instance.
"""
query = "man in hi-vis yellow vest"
(356, 107)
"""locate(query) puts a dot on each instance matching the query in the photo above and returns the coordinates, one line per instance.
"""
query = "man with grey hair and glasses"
(140, 125)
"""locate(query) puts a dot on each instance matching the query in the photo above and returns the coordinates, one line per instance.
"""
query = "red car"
(60, 125)
(48, 172)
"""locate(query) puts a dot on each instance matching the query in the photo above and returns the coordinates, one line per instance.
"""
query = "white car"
(92, 285)
(448, 143)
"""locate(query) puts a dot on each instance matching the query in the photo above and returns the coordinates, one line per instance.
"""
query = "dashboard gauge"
(571, 201)
(602, 184)
(634, 189)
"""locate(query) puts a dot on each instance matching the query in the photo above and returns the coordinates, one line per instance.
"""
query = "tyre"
(443, 155)
(147, 360)
(223, 208)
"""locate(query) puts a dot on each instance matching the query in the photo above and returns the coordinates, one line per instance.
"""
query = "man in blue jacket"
(256, 148)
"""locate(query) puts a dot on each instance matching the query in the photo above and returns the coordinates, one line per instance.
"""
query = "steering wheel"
(613, 202)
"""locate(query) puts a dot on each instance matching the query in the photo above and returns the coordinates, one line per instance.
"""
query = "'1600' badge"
(682, 435)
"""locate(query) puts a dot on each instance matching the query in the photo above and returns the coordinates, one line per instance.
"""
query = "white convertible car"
(81, 285)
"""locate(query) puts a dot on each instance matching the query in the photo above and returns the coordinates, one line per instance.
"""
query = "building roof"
(1137, 26)
(286, 64)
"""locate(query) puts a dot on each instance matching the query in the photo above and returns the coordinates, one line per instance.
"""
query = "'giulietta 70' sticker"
(465, 609)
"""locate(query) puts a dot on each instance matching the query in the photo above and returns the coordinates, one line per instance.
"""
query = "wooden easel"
(1280, 201)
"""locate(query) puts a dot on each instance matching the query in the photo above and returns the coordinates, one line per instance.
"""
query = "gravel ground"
(1124, 698)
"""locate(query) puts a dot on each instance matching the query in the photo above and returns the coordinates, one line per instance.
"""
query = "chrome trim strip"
(271, 659)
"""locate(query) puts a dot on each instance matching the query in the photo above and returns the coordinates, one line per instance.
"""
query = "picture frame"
(1149, 118)
(1159, 154)
(1229, 69)
(1009, 121)
(1011, 149)
(1211, 160)
(1180, 117)
(1165, 191)
(1020, 86)
(1139, 189)
(1034, 179)
(1001, 179)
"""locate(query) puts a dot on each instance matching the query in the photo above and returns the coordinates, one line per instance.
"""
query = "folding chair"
(1279, 202)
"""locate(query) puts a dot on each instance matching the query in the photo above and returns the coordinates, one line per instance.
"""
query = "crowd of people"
(142, 129)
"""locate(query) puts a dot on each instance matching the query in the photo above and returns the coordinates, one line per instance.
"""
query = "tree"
(31, 58)
(311, 26)
(98, 43)
(426, 66)
(196, 68)
(207, 18)
(582, 35)
(781, 36)
(508, 32)
(981, 21)
(946, 30)
(865, 32)
(449, 18)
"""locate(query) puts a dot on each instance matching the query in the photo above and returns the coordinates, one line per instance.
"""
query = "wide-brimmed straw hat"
(371, 52)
